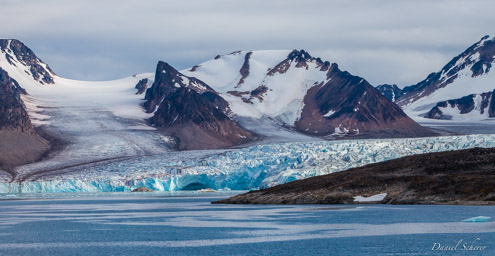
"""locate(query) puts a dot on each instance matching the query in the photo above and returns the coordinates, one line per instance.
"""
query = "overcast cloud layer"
(388, 41)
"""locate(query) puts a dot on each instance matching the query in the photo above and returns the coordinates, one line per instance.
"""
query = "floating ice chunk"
(373, 198)
(477, 219)
(329, 113)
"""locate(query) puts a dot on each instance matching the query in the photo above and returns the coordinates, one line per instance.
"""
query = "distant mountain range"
(212, 104)
(461, 91)
(310, 95)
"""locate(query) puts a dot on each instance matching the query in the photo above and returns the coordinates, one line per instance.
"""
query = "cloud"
(387, 41)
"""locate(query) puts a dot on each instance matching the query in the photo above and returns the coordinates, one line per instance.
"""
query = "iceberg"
(373, 198)
(477, 219)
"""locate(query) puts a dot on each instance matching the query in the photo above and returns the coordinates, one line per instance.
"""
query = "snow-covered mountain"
(216, 104)
(464, 83)
(313, 96)
(467, 108)
(20, 59)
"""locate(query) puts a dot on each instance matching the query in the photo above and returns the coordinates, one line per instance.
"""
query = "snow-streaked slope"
(93, 120)
(117, 96)
(464, 85)
(474, 107)
(222, 73)
(468, 73)
(282, 100)
(474, 115)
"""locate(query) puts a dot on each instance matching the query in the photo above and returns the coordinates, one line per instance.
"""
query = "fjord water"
(187, 224)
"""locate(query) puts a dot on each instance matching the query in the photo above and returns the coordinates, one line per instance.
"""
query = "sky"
(384, 41)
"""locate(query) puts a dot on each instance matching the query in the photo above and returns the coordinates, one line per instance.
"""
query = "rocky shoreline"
(453, 177)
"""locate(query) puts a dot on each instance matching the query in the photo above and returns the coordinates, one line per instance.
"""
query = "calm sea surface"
(187, 224)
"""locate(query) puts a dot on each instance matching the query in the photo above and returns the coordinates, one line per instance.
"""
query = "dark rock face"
(194, 68)
(14, 49)
(13, 115)
(19, 142)
(248, 96)
(391, 92)
(465, 105)
(143, 189)
(192, 112)
(141, 86)
(301, 57)
(244, 71)
(453, 177)
(479, 56)
(348, 105)
(167, 80)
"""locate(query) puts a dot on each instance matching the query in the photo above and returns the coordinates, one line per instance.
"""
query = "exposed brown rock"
(142, 85)
(348, 105)
(299, 57)
(13, 115)
(248, 96)
(244, 71)
(143, 189)
(194, 68)
(193, 113)
(18, 148)
(453, 177)
(168, 79)
(12, 47)
(449, 73)
(258, 92)
(19, 142)
(465, 105)
(391, 91)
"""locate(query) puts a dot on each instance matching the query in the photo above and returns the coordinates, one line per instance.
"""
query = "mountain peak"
(476, 61)
(299, 55)
(164, 66)
(19, 56)
(12, 112)
(191, 111)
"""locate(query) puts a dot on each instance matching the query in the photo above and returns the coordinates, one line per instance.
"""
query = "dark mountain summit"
(348, 105)
(17, 53)
(192, 112)
(391, 91)
(13, 115)
(475, 61)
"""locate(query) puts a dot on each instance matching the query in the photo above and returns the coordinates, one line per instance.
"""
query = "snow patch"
(329, 113)
(373, 198)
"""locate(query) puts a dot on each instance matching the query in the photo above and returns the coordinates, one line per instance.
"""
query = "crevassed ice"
(254, 167)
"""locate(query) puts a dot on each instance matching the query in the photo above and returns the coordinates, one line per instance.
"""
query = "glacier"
(254, 167)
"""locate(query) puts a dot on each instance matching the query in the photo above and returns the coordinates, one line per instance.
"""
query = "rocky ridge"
(192, 112)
